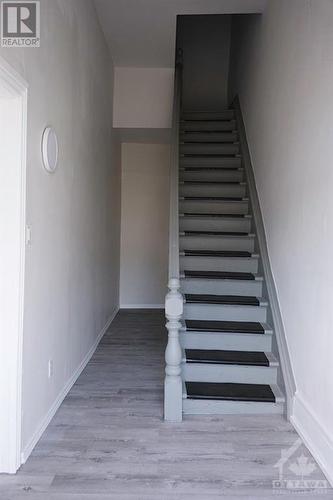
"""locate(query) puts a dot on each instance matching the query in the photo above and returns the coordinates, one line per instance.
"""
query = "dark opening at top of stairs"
(230, 392)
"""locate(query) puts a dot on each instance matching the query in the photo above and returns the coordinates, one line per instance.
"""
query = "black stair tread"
(199, 214)
(225, 142)
(216, 253)
(241, 300)
(211, 120)
(185, 119)
(196, 137)
(224, 326)
(205, 169)
(184, 129)
(231, 183)
(210, 131)
(219, 275)
(208, 155)
(230, 392)
(250, 358)
(215, 233)
(212, 198)
(195, 142)
(226, 132)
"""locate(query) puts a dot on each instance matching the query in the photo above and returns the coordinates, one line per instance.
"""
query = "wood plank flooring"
(108, 439)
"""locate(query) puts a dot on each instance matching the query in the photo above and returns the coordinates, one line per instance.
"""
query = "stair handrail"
(174, 173)
(173, 391)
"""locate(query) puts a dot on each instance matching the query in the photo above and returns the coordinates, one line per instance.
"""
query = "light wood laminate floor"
(108, 439)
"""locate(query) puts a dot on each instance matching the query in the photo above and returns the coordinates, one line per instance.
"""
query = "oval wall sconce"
(50, 149)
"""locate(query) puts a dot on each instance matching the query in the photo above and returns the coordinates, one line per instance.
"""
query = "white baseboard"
(63, 393)
(141, 306)
(314, 435)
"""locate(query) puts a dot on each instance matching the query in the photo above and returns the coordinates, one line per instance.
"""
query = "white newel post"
(173, 391)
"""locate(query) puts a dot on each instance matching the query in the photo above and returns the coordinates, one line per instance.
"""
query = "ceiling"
(141, 33)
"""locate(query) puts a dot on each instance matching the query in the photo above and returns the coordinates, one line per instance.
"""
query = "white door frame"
(11, 323)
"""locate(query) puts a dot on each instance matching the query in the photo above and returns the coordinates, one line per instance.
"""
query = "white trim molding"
(314, 435)
(14, 82)
(63, 393)
(14, 87)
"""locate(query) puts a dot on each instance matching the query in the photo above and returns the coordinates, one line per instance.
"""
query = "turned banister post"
(173, 391)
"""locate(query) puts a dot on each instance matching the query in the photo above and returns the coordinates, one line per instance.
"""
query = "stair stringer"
(285, 379)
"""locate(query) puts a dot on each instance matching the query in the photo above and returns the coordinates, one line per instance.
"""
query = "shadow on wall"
(241, 25)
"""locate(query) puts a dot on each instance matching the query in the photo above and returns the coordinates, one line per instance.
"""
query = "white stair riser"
(229, 190)
(228, 137)
(227, 341)
(208, 125)
(227, 114)
(213, 207)
(221, 287)
(241, 243)
(238, 374)
(209, 161)
(234, 175)
(219, 312)
(247, 265)
(215, 224)
(209, 149)
(210, 407)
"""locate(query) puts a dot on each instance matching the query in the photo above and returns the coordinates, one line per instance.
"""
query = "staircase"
(227, 361)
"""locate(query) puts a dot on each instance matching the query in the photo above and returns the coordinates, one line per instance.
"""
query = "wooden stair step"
(248, 358)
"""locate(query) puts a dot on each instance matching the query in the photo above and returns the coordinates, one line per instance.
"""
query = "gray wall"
(144, 224)
(283, 74)
(205, 41)
(72, 264)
